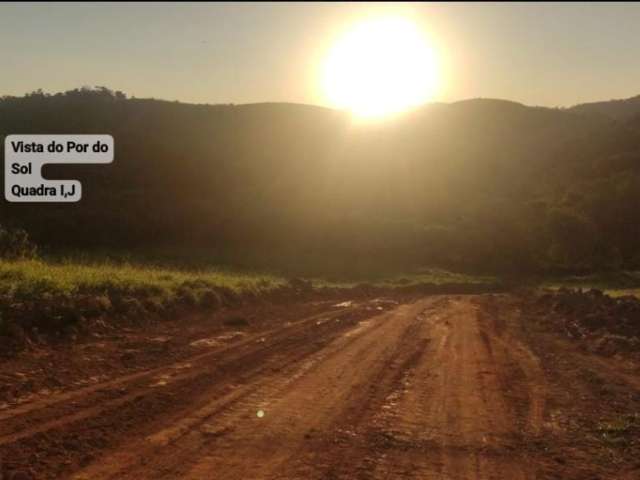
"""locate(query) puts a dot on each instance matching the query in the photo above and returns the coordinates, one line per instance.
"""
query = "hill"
(480, 184)
(622, 110)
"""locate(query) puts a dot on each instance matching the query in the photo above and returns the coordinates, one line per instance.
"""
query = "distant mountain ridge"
(480, 183)
(621, 110)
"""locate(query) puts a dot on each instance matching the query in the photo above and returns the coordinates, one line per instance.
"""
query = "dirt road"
(441, 387)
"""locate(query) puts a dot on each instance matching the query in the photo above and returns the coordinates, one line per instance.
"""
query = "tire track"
(441, 388)
(58, 429)
(232, 442)
(453, 419)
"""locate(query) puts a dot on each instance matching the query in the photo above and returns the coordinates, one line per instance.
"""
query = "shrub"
(15, 244)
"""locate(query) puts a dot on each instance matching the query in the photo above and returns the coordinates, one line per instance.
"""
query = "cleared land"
(436, 387)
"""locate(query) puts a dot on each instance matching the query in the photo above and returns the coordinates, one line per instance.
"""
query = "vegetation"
(615, 284)
(28, 277)
(61, 296)
(425, 276)
(15, 244)
(483, 186)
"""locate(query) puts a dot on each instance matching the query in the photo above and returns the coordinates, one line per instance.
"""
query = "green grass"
(615, 284)
(59, 294)
(624, 292)
(73, 276)
(70, 277)
(322, 269)
(423, 276)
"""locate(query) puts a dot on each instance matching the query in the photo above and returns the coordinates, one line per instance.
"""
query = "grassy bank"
(35, 277)
(615, 284)
(58, 296)
(61, 296)
(425, 276)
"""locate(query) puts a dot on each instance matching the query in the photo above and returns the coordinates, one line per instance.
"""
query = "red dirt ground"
(432, 387)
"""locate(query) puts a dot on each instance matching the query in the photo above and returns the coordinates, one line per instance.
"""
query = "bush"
(15, 244)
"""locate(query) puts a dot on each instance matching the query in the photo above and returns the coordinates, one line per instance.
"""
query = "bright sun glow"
(380, 67)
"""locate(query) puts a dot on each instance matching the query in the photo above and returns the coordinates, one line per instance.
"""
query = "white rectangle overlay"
(24, 156)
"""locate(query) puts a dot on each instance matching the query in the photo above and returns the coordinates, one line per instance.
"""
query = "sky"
(548, 54)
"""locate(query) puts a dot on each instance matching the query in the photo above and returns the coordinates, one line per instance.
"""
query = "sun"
(380, 67)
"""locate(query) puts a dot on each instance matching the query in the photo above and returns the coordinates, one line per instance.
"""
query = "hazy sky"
(538, 54)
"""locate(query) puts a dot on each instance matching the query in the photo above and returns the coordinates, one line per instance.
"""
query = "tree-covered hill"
(478, 184)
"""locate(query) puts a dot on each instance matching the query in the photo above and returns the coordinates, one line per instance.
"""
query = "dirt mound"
(607, 325)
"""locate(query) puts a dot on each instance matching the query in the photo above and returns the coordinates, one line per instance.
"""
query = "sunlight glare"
(380, 67)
